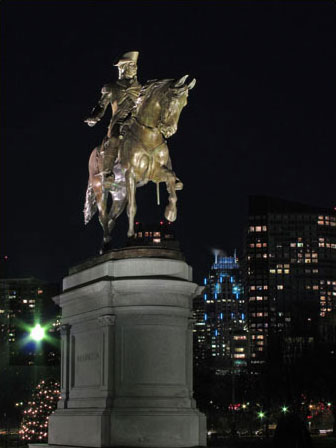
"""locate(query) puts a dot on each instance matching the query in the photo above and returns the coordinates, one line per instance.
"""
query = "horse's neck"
(146, 133)
(149, 114)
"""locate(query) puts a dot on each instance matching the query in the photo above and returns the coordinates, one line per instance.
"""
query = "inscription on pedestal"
(86, 360)
(87, 357)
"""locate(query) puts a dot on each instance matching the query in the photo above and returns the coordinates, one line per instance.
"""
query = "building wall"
(290, 273)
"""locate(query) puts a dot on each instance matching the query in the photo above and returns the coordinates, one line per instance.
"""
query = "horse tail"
(90, 206)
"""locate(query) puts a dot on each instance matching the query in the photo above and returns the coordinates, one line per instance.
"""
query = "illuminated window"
(258, 228)
(279, 286)
(156, 240)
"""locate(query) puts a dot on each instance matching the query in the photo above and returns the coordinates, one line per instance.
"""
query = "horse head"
(161, 102)
(173, 101)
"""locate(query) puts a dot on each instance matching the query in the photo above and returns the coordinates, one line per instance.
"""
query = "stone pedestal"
(126, 372)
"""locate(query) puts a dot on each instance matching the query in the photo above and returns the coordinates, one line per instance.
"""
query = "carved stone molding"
(106, 320)
(191, 323)
(64, 329)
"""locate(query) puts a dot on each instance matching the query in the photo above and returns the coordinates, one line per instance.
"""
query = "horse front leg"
(131, 206)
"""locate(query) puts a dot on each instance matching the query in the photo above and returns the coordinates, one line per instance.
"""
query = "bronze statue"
(121, 96)
(142, 153)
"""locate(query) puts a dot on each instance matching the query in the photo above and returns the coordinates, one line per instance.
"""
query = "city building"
(289, 274)
(159, 234)
(25, 303)
(220, 331)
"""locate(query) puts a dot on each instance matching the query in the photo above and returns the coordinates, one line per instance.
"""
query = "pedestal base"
(129, 427)
(127, 354)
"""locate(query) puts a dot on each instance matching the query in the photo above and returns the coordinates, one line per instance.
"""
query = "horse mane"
(148, 89)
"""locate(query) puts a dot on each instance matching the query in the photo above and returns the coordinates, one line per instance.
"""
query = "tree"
(34, 425)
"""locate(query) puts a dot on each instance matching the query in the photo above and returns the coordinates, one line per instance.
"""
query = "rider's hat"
(130, 56)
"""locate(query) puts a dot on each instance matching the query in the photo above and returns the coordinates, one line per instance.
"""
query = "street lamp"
(37, 333)
(284, 409)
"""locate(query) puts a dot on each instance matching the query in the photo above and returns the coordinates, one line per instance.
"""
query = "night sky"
(261, 119)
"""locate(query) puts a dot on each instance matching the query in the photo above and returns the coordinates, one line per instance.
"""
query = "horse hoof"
(170, 215)
(130, 234)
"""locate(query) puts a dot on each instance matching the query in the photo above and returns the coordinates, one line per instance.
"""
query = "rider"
(122, 96)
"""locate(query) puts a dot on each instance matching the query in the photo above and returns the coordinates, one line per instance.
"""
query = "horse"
(143, 156)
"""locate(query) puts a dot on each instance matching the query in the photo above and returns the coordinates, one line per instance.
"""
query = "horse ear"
(192, 84)
(181, 81)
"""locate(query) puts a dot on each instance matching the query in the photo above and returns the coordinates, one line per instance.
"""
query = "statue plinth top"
(129, 252)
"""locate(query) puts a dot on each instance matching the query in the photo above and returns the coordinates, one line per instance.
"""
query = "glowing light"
(284, 409)
(37, 333)
(261, 414)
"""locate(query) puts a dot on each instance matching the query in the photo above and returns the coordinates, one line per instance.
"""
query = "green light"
(37, 333)
(261, 414)
(284, 409)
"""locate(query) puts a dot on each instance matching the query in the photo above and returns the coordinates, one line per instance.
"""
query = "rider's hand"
(90, 121)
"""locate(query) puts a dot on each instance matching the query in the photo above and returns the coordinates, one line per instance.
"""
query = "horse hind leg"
(171, 209)
(118, 206)
(101, 198)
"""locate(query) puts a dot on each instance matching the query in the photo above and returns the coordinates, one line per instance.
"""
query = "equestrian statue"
(135, 149)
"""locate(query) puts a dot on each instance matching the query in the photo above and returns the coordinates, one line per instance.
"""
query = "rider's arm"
(99, 111)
